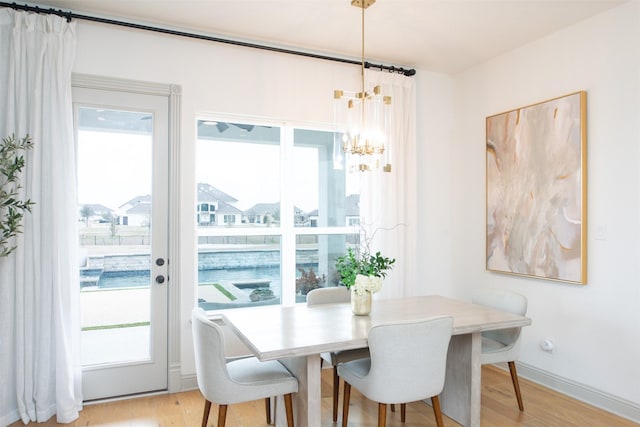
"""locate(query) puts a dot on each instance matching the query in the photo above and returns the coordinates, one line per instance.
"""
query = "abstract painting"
(536, 190)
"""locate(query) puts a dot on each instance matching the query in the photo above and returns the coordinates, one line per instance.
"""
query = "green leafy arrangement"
(352, 264)
(12, 209)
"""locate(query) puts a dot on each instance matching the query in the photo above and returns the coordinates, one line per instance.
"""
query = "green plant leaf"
(12, 209)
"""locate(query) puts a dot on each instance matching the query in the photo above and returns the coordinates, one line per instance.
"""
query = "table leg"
(460, 398)
(307, 402)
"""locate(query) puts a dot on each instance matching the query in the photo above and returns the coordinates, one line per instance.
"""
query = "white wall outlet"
(547, 345)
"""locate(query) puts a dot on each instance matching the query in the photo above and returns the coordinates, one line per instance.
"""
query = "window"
(258, 255)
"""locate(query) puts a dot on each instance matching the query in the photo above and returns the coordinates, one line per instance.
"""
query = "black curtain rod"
(70, 15)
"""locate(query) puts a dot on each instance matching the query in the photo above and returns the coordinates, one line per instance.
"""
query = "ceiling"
(438, 35)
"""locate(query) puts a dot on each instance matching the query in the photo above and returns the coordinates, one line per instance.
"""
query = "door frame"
(173, 94)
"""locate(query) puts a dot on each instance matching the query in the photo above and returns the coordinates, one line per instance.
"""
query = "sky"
(116, 167)
(113, 168)
(251, 172)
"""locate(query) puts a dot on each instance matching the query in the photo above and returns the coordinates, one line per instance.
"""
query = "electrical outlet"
(547, 345)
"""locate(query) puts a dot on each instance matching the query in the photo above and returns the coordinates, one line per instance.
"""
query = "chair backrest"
(334, 294)
(408, 359)
(508, 301)
(211, 364)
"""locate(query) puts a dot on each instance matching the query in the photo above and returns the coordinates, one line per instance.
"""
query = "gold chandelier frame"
(362, 120)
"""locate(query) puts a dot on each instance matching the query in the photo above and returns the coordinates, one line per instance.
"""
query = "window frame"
(286, 230)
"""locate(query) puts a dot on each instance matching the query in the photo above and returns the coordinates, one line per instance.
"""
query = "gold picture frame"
(536, 190)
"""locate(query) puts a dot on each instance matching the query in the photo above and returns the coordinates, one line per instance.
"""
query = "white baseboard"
(590, 395)
(175, 378)
(188, 382)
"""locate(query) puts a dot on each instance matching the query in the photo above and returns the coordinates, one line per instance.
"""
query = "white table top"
(275, 332)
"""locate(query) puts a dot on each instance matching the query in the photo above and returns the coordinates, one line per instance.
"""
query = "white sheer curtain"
(39, 317)
(388, 199)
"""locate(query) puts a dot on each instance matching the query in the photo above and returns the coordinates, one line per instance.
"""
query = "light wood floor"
(543, 408)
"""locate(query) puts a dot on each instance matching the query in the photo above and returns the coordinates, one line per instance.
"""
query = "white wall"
(435, 125)
(596, 327)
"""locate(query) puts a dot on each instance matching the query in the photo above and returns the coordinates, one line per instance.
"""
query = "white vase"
(361, 304)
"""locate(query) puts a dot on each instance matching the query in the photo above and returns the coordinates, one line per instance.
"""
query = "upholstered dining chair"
(503, 345)
(332, 295)
(408, 363)
(227, 382)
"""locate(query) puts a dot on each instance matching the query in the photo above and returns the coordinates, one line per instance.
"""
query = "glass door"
(122, 141)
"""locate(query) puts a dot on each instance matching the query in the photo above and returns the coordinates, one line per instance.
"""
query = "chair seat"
(491, 346)
(343, 356)
(253, 374)
(494, 351)
(359, 368)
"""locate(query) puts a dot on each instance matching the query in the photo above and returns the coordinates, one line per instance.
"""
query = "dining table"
(297, 335)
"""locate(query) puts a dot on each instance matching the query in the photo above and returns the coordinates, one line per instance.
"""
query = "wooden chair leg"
(393, 407)
(336, 391)
(222, 415)
(345, 403)
(205, 415)
(267, 409)
(288, 404)
(382, 414)
(516, 384)
(403, 412)
(435, 402)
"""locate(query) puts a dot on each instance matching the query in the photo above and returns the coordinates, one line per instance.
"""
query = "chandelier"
(361, 122)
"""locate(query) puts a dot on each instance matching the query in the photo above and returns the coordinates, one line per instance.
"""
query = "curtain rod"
(68, 15)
